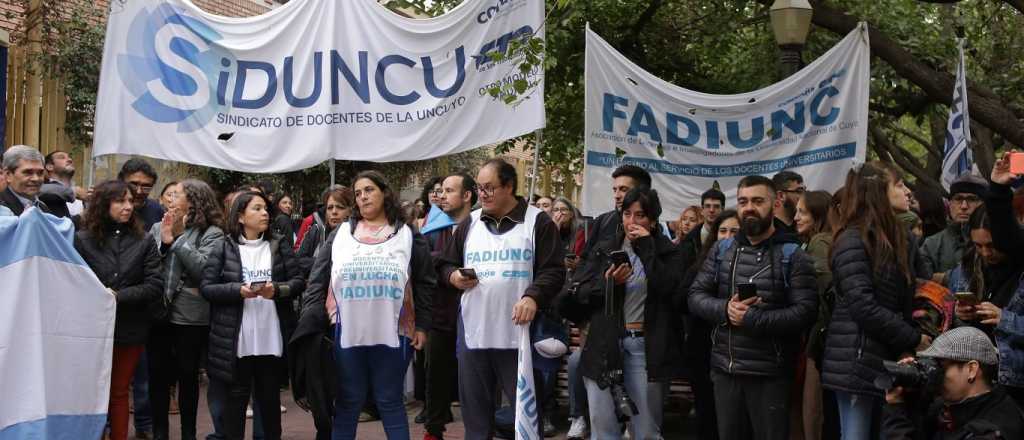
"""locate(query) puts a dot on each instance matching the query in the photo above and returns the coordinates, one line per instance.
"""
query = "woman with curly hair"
(114, 245)
(189, 232)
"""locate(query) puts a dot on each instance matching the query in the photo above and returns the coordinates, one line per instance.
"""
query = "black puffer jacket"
(663, 330)
(130, 265)
(769, 339)
(872, 320)
(221, 286)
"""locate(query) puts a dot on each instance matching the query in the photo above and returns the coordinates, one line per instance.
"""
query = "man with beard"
(60, 169)
(759, 292)
(456, 199)
(790, 187)
(140, 177)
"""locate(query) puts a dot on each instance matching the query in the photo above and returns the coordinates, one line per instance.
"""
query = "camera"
(922, 374)
(623, 404)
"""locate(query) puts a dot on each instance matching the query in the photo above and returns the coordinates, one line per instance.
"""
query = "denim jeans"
(140, 395)
(382, 368)
(577, 392)
(858, 414)
(648, 397)
(216, 397)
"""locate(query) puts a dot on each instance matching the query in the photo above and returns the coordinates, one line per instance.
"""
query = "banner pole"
(536, 159)
(92, 171)
(332, 171)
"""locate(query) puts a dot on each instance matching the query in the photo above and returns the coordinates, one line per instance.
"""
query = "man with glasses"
(140, 177)
(790, 187)
(506, 258)
(943, 251)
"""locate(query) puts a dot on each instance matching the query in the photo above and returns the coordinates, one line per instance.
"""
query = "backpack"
(788, 249)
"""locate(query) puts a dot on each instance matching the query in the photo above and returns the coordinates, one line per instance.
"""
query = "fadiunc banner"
(813, 123)
(309, 81)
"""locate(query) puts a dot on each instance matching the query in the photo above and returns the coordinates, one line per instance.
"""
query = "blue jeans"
(140, 393)
(857, 415)
(648, 397)
(216, 398)
(577, 392)
(382, 368)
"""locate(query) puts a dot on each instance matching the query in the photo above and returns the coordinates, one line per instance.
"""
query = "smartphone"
(746, 290)
(257, 285)
(467, 272)
(967, 298)
(619, 258)
(1017, 163)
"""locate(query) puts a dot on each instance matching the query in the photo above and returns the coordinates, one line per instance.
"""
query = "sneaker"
(548, 427)
(577, 429)
(366, 417)
(283, 409)
(429, 436)
(421, 418)
(248, 412)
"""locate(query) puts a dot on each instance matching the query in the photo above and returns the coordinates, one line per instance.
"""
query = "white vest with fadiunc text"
(504, 265)
(368, 282)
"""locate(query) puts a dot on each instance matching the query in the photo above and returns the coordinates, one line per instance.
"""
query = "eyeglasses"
(968, 199)
(140, 188)
(437, 192)
(486, 191)
(562, 210)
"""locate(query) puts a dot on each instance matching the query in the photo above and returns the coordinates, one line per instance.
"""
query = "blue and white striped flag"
(526, 395)
(958, 159)
(56, 334)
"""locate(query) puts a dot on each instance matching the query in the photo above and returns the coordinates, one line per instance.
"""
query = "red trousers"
(126, 357)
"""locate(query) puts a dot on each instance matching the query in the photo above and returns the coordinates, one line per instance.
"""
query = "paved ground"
(298, 425)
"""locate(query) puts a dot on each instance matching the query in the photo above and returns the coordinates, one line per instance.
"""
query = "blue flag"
(436, 219)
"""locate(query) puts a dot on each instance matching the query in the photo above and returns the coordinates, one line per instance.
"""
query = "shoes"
(367, 417)
(549, 428)
(173, 407)
(577, 429)
(283, 409)
(429, 436)
(421, 418)
(248, 412)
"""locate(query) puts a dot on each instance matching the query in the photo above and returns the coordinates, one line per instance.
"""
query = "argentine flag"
(56, 333)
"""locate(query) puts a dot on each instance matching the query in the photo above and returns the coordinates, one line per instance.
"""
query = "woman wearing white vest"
(249, 281)
(376, 286)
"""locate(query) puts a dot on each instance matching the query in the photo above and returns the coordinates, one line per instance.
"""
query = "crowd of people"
(870, 312)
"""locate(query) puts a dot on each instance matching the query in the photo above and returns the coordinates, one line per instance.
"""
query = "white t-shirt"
(260, 334)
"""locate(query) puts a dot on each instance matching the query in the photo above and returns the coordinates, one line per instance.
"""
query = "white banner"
(957, 155)
(527, 427)
(309, 81)
(814, 123)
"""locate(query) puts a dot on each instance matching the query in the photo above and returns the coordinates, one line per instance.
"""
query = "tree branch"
(1016, 4)
(984, 108)
(882, 143)
(638, 26)
(917, 138)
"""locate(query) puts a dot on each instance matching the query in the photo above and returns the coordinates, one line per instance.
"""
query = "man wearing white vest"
(517, 259)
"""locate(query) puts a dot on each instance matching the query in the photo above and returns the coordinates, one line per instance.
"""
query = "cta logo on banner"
(814, 123)
(309, 81)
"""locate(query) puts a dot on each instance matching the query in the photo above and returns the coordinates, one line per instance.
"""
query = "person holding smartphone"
(641, 266)
(249, 281)
(755, 341)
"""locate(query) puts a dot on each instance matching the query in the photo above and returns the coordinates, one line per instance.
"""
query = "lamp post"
(791, 20)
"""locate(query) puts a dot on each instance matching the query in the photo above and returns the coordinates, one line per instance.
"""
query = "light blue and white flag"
(526, 394)
(958, 159)
(56, 334)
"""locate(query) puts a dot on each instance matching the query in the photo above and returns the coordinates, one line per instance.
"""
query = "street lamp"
(791, 21)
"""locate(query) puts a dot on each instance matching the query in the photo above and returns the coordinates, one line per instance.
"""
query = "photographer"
(639, 345)
(971, 406)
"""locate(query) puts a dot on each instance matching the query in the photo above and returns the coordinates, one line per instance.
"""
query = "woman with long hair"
(374, 281)
(169, 193)
(875, 264)
(815, 230)
(189, 232)
(569, 222)
(690, 218)
(116, 248)
(697, 349)
(337, 205)
(249, 282)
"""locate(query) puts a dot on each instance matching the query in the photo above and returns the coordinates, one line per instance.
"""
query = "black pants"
(698, 357)
(442, 380)
(752, 407)
(257, 376)
(175, 352)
